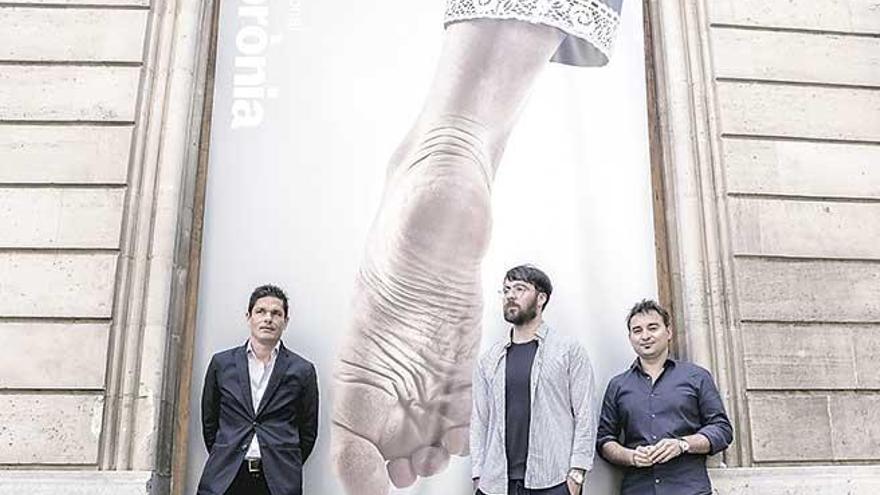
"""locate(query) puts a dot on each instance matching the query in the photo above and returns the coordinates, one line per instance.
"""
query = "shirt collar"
(637, 364)
(250, 348)
(541, 334)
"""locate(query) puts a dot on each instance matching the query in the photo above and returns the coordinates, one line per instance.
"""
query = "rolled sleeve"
(582, 389)
(716, 426)
(609, 419)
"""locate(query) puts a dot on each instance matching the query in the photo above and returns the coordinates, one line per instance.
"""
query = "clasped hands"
(662, 451)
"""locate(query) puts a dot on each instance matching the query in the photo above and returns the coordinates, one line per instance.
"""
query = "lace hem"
(590, 20)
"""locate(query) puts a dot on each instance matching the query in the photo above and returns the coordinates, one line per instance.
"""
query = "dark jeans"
(516, 487)
(247, 483)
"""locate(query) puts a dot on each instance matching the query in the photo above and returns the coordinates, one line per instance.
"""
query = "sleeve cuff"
(607, 438)
(716, 443)
(581, 461)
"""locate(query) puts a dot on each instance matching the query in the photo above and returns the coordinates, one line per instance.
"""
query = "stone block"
(51, 154)
(800, 480)
(802, 111)
(69, 93)
(789, 427)
(61, 285)
(38, 355)
(769, 166)
(808, 290)
(61, 217)
(789, 228)
(40, 428)
(798, 357)
(64, 34)
(855, 426)
(76, 482)
(795, 56)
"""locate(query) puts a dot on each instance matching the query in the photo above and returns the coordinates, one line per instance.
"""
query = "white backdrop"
(290, 199)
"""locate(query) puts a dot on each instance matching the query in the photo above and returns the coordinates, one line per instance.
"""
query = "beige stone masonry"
(60, 355)
(801, 168)
(806, 480)
(60, 217)
(60, 34)
(50, 428)
(70, 154)
(77, 483)
(770, 226)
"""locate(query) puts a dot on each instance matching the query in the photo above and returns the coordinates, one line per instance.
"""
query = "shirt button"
(653, 437)
(653, 415)
(244, 446)
(657, 481)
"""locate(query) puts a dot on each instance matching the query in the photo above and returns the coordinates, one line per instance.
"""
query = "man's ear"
(542, 300)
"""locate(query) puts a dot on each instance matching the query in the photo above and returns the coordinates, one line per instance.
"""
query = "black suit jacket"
(286, 422)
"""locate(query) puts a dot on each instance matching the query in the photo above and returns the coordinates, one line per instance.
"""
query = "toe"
(401, 472)
(358, 463)
(455, 440)
(429, 461)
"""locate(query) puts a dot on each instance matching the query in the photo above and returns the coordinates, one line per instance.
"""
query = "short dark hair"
(267, 290)
(644, 307)
(534, 276)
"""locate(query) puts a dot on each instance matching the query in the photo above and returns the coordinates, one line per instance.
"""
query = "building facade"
(765, 124)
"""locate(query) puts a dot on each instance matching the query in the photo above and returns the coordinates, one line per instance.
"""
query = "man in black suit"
(259, 408)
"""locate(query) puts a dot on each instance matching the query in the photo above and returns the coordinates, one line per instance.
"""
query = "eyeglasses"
(516, 289)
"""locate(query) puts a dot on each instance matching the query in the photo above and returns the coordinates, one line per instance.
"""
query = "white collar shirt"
(259, 374)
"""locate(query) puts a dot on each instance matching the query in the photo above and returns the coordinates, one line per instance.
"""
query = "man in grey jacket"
(532, 426)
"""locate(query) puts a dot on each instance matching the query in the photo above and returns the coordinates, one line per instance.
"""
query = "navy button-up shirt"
(683, 401)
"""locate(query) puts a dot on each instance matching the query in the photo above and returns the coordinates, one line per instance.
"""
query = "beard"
(519, 315)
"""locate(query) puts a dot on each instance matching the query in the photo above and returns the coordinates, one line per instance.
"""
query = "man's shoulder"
(226, 354)
(487, 358)
(620, 377)
(692, 369)
(296, 360)
(567, 343)
(563, 339)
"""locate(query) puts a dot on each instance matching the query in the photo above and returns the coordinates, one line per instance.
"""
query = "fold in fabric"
(590, 25)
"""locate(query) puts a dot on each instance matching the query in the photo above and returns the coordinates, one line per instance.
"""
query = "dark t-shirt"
(518, 409)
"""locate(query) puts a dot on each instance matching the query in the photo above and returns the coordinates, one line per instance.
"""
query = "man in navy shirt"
(669, 413)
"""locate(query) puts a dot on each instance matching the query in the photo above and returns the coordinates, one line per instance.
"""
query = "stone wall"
(100, 124)
(71, 76)
(770, 149)
(799, 125)
(768, 126)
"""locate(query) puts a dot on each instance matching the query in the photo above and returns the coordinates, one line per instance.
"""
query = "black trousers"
(516, 487)
(247, 483)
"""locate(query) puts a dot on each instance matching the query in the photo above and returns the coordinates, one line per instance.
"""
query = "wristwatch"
(684, 445)
(577, 476)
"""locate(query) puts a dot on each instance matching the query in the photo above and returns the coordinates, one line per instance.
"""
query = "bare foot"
(403, 378)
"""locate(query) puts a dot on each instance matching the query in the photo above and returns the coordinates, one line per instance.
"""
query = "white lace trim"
(590, 20)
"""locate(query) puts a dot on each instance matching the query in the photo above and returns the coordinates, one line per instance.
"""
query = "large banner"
(312, 102)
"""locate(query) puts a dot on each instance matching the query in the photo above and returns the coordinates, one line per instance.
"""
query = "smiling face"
(267, 320)
(649, 336)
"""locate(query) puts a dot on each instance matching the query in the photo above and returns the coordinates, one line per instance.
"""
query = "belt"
(254, 466)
